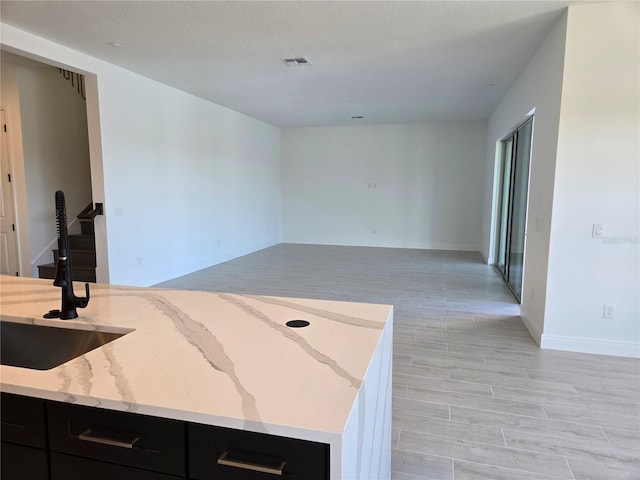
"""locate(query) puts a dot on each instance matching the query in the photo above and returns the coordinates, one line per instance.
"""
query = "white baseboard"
(427, 246)
(584, 345)
(452, 246)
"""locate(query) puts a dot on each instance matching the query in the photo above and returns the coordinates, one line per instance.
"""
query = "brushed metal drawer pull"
(111, 438)
(242, 461)
(12, 425)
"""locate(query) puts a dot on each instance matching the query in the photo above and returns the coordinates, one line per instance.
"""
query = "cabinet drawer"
(20, 463)
(134, 440)
(228, 454)
(67, 467)
(23, 420)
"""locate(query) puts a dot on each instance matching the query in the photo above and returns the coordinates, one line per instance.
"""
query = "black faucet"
(63, 279)
(63, 269)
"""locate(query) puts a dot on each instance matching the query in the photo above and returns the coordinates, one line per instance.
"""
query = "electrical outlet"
(608, 312)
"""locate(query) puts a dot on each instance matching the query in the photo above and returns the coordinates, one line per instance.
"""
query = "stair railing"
(77, 81)
(90, 212)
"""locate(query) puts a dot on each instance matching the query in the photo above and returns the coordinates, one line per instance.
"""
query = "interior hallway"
(474, 396)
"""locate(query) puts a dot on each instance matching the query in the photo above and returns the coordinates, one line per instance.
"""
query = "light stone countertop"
(214, 358)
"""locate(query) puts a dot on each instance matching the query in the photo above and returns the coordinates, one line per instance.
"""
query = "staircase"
(82, 251)
(76, 80)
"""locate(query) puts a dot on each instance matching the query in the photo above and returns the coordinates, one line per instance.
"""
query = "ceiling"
(389, 61)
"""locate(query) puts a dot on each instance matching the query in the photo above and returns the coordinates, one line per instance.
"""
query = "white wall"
(597, 181)
(56, 155)
(412, 185)
(187, 183)
(539, 87)
(583, 84)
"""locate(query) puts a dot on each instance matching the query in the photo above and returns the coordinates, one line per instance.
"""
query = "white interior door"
(8, 234)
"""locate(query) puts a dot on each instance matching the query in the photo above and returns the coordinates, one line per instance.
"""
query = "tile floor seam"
(606, 436)
(530, 452)
(546, 434)
(455, 439)
(484, 397)
(569, 467)
(474, 442)
(428, 416)
(545, 412)
(542, 475)
(424, 453)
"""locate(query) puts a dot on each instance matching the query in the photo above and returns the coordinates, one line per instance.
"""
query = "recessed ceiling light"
(296, 62)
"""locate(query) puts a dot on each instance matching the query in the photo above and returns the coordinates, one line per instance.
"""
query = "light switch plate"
(598, 230)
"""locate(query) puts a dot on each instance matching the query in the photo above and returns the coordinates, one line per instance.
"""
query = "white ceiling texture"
(389, 61)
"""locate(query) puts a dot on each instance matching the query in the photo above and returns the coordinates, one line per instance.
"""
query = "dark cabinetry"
(68, 467)
(136, 444)
(20, 462)
(24, 443)
(45, 440)
(224, 453)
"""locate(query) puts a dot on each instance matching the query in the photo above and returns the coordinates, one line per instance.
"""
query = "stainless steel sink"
(42, 347)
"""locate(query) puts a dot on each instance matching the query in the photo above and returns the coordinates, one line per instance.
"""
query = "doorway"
(9, 260)
(52, 152)
(514, 160)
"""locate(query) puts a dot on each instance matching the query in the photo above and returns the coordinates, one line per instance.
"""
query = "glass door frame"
(507, 165)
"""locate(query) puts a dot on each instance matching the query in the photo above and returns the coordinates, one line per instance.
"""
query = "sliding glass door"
(512, 206)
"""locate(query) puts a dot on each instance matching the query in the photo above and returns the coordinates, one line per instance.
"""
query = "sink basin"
(42, 347)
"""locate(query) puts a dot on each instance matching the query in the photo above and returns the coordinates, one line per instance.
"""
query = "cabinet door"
(21, 463)
(67, 467)
(138, 441)
(23, 420)
(228, 454)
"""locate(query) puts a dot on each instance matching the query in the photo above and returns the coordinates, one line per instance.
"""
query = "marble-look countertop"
(207, 357)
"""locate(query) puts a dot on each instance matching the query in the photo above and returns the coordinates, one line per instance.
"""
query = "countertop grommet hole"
(297, 323)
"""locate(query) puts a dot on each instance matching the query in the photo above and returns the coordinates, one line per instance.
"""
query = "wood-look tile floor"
(474, 397)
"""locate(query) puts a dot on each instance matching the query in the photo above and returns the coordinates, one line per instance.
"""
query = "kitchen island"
(225, 360)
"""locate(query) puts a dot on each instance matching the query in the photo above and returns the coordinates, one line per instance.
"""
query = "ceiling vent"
(296, 62)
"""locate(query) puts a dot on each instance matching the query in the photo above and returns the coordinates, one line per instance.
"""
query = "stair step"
(80, 258)
(82, 250)
(82, 242)
(87, 227)
(80, 274)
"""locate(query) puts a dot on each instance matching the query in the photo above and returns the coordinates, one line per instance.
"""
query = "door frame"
(7, 127)
(96, 168)
(498, 199)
